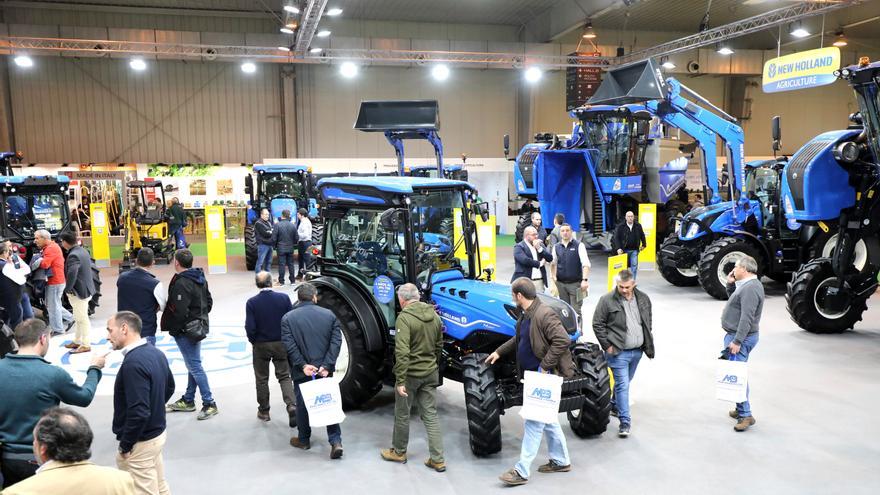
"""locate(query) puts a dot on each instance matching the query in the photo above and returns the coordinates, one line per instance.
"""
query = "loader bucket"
(634, 83)
(405, 115)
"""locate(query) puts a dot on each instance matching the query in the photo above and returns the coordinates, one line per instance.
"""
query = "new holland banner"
(801, 70)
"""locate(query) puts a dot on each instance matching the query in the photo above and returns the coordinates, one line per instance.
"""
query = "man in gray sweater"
(740, 323)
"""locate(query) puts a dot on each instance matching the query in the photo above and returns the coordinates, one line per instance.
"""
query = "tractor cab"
(146, 223)
(278, 188)
(619, 136)
(33, 203)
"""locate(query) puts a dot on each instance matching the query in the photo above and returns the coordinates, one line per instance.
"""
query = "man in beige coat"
(62, 446)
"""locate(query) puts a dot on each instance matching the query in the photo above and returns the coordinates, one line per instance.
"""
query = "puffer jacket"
(188, 299)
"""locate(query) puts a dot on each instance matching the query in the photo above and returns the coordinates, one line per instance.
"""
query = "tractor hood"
(692, 224)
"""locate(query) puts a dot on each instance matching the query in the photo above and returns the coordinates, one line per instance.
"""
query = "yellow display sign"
(100, 234)
(215, 235)
(485, 236)
(648, 219)
(801, 70)
(616, 264)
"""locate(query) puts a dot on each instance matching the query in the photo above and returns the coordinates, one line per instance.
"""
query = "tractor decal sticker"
(383, 289)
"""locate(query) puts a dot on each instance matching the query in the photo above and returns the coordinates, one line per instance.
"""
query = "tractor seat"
(152, 216)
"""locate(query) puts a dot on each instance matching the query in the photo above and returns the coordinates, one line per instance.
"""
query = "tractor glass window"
(762, 185)
(615, 142)
(28, 213)
(367, 245)
(869, 105)
(275, 185)
(434, 214)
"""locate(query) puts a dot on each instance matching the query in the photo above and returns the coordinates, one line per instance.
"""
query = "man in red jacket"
(60, 319)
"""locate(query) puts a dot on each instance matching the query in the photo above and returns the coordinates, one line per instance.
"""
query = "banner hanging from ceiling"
(801, 70)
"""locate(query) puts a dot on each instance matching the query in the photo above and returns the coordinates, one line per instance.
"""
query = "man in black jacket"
(263, 233)
(79, 289)
(143, 384)
(629, 238)
(176, 223)
(188, 300)
(10, 289)
(312, 337)
(284, 238)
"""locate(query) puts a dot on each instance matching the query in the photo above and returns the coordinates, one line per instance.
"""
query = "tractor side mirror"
(249, 185)
(392, 219)
(776, 129)
(507, 146)
(483, 210)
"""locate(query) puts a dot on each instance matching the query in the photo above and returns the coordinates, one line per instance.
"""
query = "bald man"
(530, 258)
(629, 238)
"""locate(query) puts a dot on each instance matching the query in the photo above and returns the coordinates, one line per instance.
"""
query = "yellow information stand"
(485, 236)
(648, 219)
(100, 234)
(616, 264)
(215, 235)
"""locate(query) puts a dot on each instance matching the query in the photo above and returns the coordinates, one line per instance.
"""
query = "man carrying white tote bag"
(541, 344)
(740, 323)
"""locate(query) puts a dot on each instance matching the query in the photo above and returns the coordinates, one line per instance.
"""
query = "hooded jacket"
(417, 343)
(188, 300)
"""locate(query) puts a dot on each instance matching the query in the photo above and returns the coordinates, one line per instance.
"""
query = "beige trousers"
(80, 312)
(146, 467)
(539, 286)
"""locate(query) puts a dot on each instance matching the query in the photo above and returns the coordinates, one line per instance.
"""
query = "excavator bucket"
(634, 83)
(406, 115)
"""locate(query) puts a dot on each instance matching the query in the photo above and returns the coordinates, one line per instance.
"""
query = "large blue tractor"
(378, 237)
(835, 180)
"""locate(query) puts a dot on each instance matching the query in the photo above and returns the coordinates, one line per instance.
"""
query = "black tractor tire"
(714, 254)
(250, 247)
(524, 221)
(447, 228)
(667, 267)
(317, 241)
(482, 404)
(363, 376)
(800, 300)
(591, 419)
(95, 301)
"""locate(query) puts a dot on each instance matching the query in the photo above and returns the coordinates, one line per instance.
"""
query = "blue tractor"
(835, 180)
(278, 188)
(375, 240)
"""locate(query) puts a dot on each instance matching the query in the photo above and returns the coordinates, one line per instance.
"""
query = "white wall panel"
(74, 111)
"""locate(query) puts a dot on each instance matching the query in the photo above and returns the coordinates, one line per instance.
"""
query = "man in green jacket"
(29, 386)
(417, 346)
(176, 223)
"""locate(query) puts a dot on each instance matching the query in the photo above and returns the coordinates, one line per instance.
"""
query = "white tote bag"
(323, 401)
(731, 380)
(541, 395)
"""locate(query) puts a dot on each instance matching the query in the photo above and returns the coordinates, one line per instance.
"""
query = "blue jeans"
(632, 260)
(27, 312)
(623, 366)
(264, 258)
(196, 376)
(58, 315)
(180, 238)
(285, 260)
(304, 248)
(743, 409)
(532, 434)
(303, 430)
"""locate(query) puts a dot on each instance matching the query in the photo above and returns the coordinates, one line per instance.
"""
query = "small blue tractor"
(835, 180)
(278, 188)
(377, 237)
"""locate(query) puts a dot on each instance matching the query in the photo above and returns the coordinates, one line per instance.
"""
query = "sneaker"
(181, 406)
(393, 456)
(512, 478)
(69, 325)
(263, 415)
(623, 431)
(554, 467)
(744, 423)
(291, 415)
(440, 467)
(336, 451)
(208, 410)
(296, 442)
(733, 414)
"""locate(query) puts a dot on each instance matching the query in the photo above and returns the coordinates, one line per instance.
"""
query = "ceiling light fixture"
(316, 50)
(440, 72)
(840, 40)
(284, 48)
(334, 12)
(286, 30)
(323, 33)
(291, 8)
(137, 64)
(589, 34)
(666, 64)
(248, 68)
(348, 70)
(24, 61)
(724, 50)
(797, 30)
(533, 74)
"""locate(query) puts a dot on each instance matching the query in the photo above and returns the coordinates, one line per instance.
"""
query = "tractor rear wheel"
(679, 277)
(592, 418)
(483, 406)
(359, 371)
(805, 297)
(250, 247)
(718, 260)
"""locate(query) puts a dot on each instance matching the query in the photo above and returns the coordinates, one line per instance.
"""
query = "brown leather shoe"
(554, 467)
(81, 349)
(393, 456)
(733, 414)
(263, 415)
(440, 467)
(512, 478)
(71, 345)
(744, 423)
(294, 442)
(336, 451)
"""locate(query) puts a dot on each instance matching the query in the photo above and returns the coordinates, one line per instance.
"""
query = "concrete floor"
(815, 399)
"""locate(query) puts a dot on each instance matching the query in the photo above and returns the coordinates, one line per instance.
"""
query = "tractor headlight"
(693, 229)
(847, 152)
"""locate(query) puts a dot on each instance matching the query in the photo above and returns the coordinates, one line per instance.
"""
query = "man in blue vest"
(570, 268)
(140, 292)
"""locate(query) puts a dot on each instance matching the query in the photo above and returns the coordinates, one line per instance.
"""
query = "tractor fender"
(363, 306)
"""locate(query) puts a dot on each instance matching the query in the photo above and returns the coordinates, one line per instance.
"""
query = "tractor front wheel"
(679, 277)
(805, 300)
(718, 261)
(250, 247)
(592, 418)
(483, 406)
